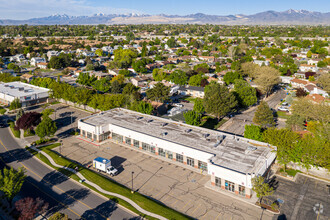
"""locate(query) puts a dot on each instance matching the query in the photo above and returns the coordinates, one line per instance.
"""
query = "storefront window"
(161, 152)
(104, 136)
(169, 154)
(202, 165)
(148, 147)
(241, 190)
(191, 161)
(117, 137)
(218, 181)
(89, 135)
(136, 143)
(179, 158)
(128, 140)
(230, 186)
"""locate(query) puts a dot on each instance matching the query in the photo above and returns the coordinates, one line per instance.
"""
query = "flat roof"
(12, 89)
(230, 151)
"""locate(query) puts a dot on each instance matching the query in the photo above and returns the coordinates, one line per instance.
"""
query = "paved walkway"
(99, 188)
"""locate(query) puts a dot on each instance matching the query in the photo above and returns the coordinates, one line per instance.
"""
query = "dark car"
(3, 125)
(185, 101)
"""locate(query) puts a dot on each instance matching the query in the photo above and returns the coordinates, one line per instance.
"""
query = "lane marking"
(187, 203)
(196, 208)
(41, 178)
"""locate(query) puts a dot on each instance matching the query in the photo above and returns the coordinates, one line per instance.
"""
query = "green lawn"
(282, 115)
(212, 123)
(59, 74)
(2, 110)
(189, 98)
(290, 172)
(111, 186)
(16, 133)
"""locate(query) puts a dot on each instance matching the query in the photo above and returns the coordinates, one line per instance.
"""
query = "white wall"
(166, 145)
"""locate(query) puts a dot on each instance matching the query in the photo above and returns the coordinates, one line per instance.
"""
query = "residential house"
(98, 74)
(52, 53)
(298, 83)
(27, 77)
(318, 99)
(313, 61)
(261, 62)
(35, 60)
(42, 65)
(193, 91)
(306, 68)
(140, 81)
(17, 58)
(313, 89)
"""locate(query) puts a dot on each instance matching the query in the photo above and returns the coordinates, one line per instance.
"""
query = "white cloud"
(24, 9)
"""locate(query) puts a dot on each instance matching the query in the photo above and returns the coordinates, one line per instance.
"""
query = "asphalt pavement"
(62, 193)
(237, 123)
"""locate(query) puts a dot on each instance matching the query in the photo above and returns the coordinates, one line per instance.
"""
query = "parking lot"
(301, 198)
(176, 186)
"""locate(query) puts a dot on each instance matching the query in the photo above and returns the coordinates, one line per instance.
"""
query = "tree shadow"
(18, 155)
(273, 182)
(54, 178)
(69, 198)
(281, 217)
(102, 211)
(65, 121)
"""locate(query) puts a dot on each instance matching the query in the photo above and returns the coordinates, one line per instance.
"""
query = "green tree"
(19, 113)
(46, 127)
(115, 87)
(324, 82)
(102, 85)
(123, 58)
(267, 78)
(178, 77)
(124, 72)
(195, 80)
(218, 100)
(230, 77)
(264, 116)
(158, 93)
(47, 112)
(85, 79)
(158, 74)
(58, 216)
(253, 132)
(171, 42)
(199, 106)
(15, 104)
(99, 52)
(192, 118)
(130, 36)
(246, 94)
(261, 188)
(11, 182)
(145, 108)
(129, 89)
(309, 54)
(285, 141)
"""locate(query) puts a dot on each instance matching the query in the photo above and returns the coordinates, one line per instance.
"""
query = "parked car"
(178, 105)
(285, 104)
(283, 109)
(185, 101)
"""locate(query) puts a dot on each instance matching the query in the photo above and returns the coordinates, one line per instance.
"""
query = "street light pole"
(132, 182)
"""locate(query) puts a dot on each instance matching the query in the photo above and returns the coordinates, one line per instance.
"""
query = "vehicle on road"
(185, 101)
(104, 165)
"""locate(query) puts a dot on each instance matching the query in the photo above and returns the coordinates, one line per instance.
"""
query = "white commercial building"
(231, 161)
(26, 93)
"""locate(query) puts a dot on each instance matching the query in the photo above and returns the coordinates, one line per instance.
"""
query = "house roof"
(316, 98)
(299, 81)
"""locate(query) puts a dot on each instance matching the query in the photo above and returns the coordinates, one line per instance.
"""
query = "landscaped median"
(108, 185)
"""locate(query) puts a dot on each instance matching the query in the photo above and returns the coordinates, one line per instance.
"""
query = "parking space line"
(176, 200)
(305, 180)
(218, 215)
(157, 194)
(186, 204)
(196, 208)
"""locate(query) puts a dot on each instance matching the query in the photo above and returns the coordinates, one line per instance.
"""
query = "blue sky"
(23, 9)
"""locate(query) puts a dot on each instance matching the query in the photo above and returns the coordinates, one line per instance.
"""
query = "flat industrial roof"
(12, 89)
(230, 151)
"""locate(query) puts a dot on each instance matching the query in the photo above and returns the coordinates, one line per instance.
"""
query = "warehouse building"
(26, 93)
(231, 161)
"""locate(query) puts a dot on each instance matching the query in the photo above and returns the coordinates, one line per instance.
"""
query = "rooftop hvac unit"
(206, 135)
(251, 148)
(163, 134)
(149, 120)
(164, 124)
(26, 90)
(188, 130)
(12, 87)
(139, 118)
(21, 88)
(6, 85)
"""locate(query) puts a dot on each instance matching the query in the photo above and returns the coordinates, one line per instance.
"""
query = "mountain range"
(289, 17)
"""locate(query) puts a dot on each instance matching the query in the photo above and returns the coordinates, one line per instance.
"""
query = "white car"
(283, 109)
(178, 105)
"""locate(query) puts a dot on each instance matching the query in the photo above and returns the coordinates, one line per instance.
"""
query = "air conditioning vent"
(188, 130)
(251, 148)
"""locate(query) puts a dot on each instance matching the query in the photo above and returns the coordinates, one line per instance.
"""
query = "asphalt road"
(62, 194)
(237, 123)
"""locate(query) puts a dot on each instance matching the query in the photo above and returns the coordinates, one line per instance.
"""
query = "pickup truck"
(104, 165)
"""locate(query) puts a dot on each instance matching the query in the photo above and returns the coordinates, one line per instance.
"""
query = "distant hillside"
(289, 17)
